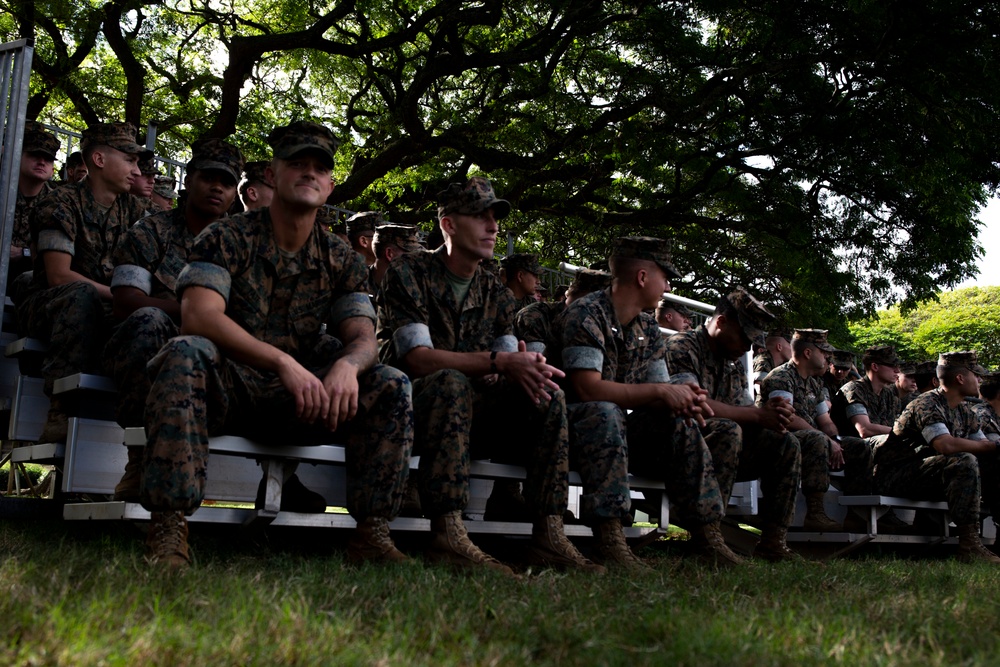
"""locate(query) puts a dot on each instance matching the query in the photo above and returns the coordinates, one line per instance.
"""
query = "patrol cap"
(147, 166)
(907, 368)
(990, 383)
(648, 248)
(842, 359)
(590, 280)
(965, 359)
(521, 261)
(925, 368)
(780, 333)
(753, 317)
(474, 196)
(38, 140)
(403, 237)
(884, 355)
(164, 186)
(253, 172)
(815, 337)
(303, 136)
(365, 221)
(216, 154)
(120, 136)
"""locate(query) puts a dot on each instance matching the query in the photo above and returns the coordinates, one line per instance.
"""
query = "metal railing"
(15, 72)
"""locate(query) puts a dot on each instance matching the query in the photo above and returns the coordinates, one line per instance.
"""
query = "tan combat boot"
(971, 549)
(371, 543)
(127, 490)
(450, 544)
(550, 546)
(710, 547)
(773, 546)
(612, 549)
(166, 542)
(816, 519)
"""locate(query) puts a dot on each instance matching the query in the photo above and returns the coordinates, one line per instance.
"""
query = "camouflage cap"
(816, 337)
(648, 248)
(303, 136)
(207, 154)
(164, 186)
(474, 196)
(490, 266)
(253, 172)
(147, 166)
(590, 280)
(403, 237)
(965, 359)
(907, 368)
(780, 333)
(925, 368)
(989, 381)
(884, 355)
(38, 140)
(842, 359)
(753, 316)
(521, 261)
(120, 136)
(365, 221)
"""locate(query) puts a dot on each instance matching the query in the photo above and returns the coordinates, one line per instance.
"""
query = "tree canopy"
(966, 319)
(832, 157)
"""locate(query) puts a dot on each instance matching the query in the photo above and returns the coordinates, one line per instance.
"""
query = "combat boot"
(710, 547)
(971, 549)
(773, 546)
(450, 544)
(127, 490)
(550, 546)
(371, 543)
(816, 519)
(613, 551)
(166, 541)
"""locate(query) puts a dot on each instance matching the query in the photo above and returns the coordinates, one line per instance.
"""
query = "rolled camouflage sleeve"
(583, 343)
(683, 360)
(350, 297)
(136, 258)
(216, 256)
(52, 221)
(403, 310)
(774, 386)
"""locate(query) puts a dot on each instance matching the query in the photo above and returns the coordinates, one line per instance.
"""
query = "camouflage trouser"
(129, 350)
(458, 419)
(953, 478)
(75, 321)
(598, 451)
(197, 393)
(774, 458)
(816, 463)
(698, 471)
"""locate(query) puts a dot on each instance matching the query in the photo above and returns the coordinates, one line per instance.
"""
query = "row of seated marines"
(261, 324)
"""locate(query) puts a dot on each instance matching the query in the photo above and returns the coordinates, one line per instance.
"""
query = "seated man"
(798, 382)
(76, 168)
(257, 295)
(148, 261)
(710, 356)
(837, 374)
(476, 391)
(922, 378)
(38, 155)
(673, 316)
(868, 407)
(163, 193)
(76, 229)
(142, 187)
(255, 191)
(937, 451)
(360, 229)
(614, 357)
(520, 274)
(391, 242)
(778, 350)
(533, 324)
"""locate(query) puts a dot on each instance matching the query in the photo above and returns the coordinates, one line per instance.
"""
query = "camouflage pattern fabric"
(129, 349)
(908, 464)
(295, 138)
(832, 385)
(988, 419)
(284, 301)
(457, 417)
(21, 235)
(698, 471)
(152, 254)
(772, 456)
(805, 394)
(196, 393)
(859, 398)
(524, 302)
(472, 197)
(762, 365)
(533, 324)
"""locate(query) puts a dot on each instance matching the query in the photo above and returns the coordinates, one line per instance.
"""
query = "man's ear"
(447, 225)
(641, 275)
(98, 158)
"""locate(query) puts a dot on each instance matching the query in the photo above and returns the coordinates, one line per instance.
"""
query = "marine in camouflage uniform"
(75, 317)
(360, 229)
(937, 451)
(533, 323)
(38, 154)
(877, 410)
(808, 397)
(698, 471)
(520, 272)
(430, 312)
(710, 356)
(284, 299)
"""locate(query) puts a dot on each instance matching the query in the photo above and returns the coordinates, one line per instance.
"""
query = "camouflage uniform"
(698, 476)
(762, 365)
(907, 464)
(458, 417)
(73, 318)
(284, 301)
(988, 419)
(807, 396)
(858, 397)
(533, 324)
(766, 454)
(21, 235)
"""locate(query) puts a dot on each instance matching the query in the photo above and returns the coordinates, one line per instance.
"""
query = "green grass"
(81, 594)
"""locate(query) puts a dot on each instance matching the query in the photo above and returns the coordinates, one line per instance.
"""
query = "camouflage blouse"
(924, 419)
(807, 395)
(690, 359)
(152, 254)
